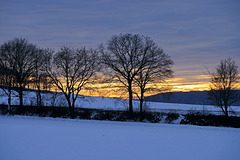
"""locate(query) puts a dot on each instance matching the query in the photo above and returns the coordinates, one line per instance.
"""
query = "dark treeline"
(134, 61)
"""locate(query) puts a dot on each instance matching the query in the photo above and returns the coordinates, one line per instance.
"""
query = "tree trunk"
(9, 97)
(130, 100)
(39, 98)
(21, 96)
(9, 94)
(9, 102)
(226, 111)
(72, 112)
(71, 107)
(141, 107)
(39, 101)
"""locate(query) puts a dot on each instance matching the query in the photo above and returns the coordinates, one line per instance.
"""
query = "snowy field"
(115, 104)
(33, 138)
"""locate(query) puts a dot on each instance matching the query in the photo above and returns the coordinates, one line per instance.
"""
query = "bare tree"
(223, 85)
(71, 70)
(17, 56)
(40, 77)
(156, 70)
(7, 81)
(126, 57)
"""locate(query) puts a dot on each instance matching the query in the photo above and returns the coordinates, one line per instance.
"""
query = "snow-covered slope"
(113, 103)
(32, 138)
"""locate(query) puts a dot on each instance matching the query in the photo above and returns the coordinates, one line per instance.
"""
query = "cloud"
(196, 34)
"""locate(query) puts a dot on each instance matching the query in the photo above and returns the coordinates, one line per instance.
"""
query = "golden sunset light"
(174, 85)
(119, 79)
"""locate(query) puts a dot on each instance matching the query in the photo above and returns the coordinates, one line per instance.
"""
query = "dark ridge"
(193, 97)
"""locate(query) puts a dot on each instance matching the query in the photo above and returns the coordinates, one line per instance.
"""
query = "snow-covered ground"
(33, 138)
(114, 104)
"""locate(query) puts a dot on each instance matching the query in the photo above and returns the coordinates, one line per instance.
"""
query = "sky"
(197, 34)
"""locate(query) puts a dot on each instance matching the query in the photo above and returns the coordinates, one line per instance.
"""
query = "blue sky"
(195, 33)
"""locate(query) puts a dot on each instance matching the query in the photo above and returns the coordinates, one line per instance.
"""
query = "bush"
(4, 110)
(194, 118)
(84, 114)
(211, 120)
(103, 115)
(171, 117)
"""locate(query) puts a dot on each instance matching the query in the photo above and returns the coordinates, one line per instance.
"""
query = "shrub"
(171, 117)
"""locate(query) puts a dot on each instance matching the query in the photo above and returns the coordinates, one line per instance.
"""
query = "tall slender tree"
(7, 81)
(39, 77)
(70, 70)
(18, 56)
(126, 56)
(223, 85)
(157, 69)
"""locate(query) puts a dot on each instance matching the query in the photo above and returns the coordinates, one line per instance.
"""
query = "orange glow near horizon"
(190, 83)
(176, 84)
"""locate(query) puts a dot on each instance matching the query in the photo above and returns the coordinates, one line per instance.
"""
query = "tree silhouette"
(18, 57)
(70, 70)
(40, 77)
(223, 85)
(127, 56)
(157, 69)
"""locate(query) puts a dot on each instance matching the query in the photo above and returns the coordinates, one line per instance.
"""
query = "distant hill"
(193, 97)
